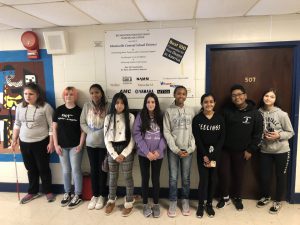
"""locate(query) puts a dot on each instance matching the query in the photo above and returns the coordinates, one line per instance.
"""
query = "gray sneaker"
(172, 209)
(156, 210)
(185, 207)
(147, 211)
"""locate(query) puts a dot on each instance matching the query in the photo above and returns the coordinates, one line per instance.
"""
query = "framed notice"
(155, 60)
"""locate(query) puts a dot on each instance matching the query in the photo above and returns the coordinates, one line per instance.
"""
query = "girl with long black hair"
(119, 142)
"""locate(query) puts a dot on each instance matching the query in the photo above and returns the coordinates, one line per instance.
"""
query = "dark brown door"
(257, 69)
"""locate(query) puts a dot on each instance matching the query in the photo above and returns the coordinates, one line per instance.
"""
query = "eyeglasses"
(237, 95)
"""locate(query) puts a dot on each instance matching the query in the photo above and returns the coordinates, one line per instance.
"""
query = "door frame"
(292, 197)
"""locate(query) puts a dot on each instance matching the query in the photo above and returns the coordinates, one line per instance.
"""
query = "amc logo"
(126, 91)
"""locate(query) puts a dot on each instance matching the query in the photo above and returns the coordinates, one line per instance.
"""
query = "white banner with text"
(154, 60)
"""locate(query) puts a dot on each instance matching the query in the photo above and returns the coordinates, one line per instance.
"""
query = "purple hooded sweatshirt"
(152, 140)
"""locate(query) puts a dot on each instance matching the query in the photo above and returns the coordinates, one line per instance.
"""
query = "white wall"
(85, 63)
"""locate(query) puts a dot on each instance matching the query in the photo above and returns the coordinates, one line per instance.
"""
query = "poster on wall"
(14, 75)
(154, 60)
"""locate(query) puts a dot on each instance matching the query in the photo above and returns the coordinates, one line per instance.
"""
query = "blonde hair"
(73, 89)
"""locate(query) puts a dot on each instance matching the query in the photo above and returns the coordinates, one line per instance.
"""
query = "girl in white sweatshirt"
(119, 143)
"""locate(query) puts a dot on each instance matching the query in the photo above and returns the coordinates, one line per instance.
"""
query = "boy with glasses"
(244, 126)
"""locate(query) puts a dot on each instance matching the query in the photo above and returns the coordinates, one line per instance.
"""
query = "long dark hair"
(40, 101)
(103, 100)
(203, 97)
(113, 113)
(145, 117)
(261, 102)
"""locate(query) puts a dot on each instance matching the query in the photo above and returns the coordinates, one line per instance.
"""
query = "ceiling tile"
(275, 7)
(167, 9)
(15, 18)
(59, 13)
(5, 27)
(22, 2)
(110, 11)
(223, 8)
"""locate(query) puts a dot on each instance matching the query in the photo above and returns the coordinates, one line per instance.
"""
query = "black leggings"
(232, 165)
(98, 177)
(207, 182)
(155, 176)
(281, 162)
(36, 161)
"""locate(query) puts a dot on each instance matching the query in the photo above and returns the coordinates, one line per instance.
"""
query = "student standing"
(148, 136)
(275, 150)
(181, 144)
(209, 133)
(68, 142)
(92, 123)
(119, 142)
(33, 128)
(244, 126)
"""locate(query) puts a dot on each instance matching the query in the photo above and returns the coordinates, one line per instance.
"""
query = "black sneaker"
(263, 202)
(76, 201)
(209, 210)
(66, 200)
(238, 204)
(275, 208)
(221, 204)
(200, 211)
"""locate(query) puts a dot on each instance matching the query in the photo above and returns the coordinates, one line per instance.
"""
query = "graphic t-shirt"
(68, 126)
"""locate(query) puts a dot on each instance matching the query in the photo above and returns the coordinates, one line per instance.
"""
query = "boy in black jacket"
(244, 127)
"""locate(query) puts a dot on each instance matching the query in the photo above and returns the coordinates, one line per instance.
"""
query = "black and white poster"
(155, 60)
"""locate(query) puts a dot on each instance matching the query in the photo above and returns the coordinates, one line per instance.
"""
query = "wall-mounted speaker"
(56, 42)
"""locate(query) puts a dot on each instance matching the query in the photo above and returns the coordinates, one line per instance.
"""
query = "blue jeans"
(185, 167)
(71, 165)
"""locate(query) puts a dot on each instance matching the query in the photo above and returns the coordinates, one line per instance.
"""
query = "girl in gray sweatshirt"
(274, 149)
(177, 124)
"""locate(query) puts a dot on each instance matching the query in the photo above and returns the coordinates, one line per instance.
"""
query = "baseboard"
(121, 191)
(295, 198)
(59, 189)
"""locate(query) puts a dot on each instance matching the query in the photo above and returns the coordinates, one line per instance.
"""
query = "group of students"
(224, 143)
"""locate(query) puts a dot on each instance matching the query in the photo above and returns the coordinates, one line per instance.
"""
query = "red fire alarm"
(31, 43)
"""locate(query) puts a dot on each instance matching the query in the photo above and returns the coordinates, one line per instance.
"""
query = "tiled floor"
(40, 212)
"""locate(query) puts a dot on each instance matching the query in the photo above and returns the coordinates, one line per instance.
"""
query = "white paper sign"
(156, 60)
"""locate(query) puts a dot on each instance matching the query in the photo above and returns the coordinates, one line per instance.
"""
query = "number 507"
(250, 79)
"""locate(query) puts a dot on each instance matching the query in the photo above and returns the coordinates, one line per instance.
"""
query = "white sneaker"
(100, 203)
(92, 203)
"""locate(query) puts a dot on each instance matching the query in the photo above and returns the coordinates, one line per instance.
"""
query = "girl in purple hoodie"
(148, 135)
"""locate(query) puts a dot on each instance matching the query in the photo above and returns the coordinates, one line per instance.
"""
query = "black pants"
(232, 166)
(281, 162)
(155, 177)
(207, 182)
(98, 177)
(36, 161)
